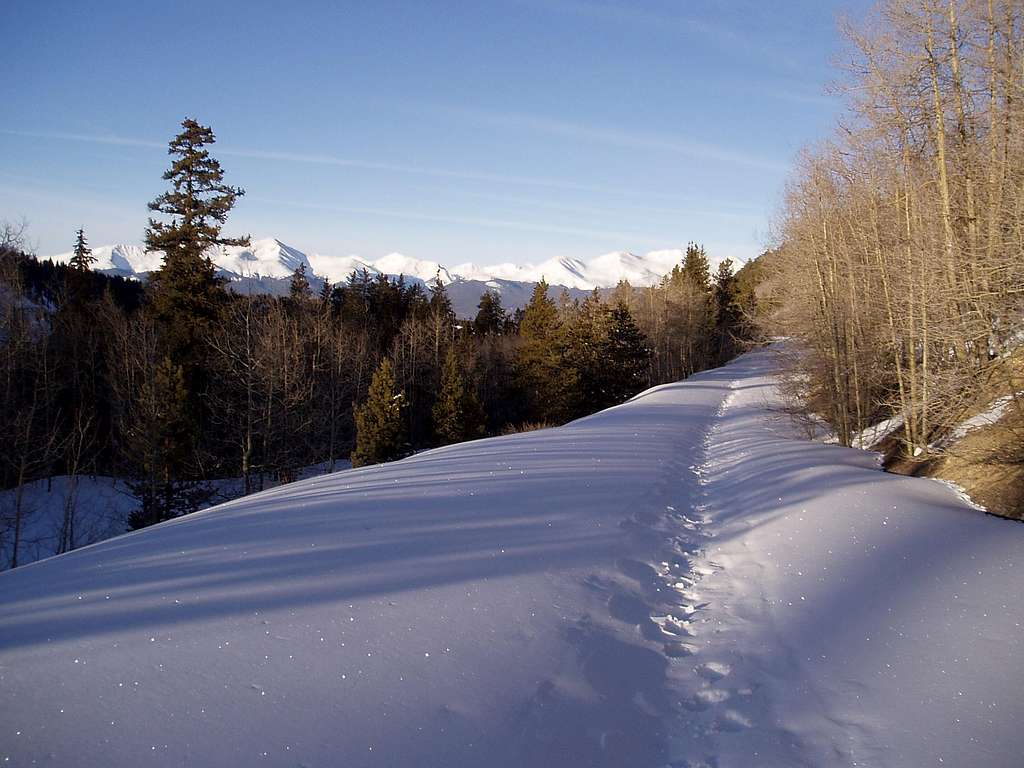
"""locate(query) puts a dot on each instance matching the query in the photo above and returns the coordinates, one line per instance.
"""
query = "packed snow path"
(675, 581)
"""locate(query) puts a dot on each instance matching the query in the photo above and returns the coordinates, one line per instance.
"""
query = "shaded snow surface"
(675, 581)
(86, 509)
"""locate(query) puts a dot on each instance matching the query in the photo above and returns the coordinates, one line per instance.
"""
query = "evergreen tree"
(490, 317)
(542, 375)
(78, 281)
(326, 292)
(696, 268)
(187, 294)
(626, 357)
(440, 303)
(81, 258)
(584, 333)
(76, 336)
(457, 413)
(161, 439)
(379, 423)
(199, 202)
(728, 313)
(441, 321)
(354, 299)
(298, 289)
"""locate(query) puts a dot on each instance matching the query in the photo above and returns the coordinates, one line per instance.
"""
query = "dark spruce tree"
(187, 295)
(298, 288)
(626, 356)
(440, 303)
(187, 299)
(326, 293)
(546, 382)
(457, 413)
(379, 423)
(161, 437)
(490, 317)
(696, 268)
(82, 406)
(81, 257)
(584, 333)
(728, 312)
(79, 279)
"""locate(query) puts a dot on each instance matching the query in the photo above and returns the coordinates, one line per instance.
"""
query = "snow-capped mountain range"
(268, 263)
(271, 258)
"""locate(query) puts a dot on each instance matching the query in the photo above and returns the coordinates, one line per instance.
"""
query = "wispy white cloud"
(522, 226)
(108, 139)
(597, 233)
(228, 150)
(708, 209)
(616, 137)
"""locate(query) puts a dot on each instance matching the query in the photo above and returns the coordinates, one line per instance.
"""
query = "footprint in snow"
(732, 720)
(705, 699)
(713, 670)
(638, 571)
(672, 626)
(677, 650)
(706, 570)
(629, 609)
(599, 583)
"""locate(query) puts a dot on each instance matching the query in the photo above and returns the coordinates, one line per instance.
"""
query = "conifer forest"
(182, 380)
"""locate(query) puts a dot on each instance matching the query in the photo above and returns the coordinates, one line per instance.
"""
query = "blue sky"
(453, 131)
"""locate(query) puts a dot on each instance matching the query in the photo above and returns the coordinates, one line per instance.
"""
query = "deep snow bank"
(469, 605)
(864, 618)
(673, 581)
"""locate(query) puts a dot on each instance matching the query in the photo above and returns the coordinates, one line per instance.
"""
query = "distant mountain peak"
(267, 264)
(274, 259)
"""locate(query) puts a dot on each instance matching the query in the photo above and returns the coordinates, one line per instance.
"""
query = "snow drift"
(676, 580)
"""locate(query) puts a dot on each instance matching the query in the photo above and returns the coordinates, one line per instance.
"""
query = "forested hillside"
(180, 382)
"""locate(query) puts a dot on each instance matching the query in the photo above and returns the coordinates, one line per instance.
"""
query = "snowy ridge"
(271, 258)
(673, 581)
(262, 258)
(861, 615)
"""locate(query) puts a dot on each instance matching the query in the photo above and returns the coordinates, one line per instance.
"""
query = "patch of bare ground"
(987, 461)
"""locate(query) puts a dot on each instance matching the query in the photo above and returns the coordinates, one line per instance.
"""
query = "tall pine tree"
(457, 413)
(81, 257)
(585, 328)
(728, 313)
(187, 295)
(490, 317)
(298, 288)
(696, 267)
(379, 423)
(162, 438)
(79, 281)
(626, 356)
(83, 402)
(187, 299)
(542, 375)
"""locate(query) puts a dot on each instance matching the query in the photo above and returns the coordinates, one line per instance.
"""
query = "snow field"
(676, 581)
(873, 618)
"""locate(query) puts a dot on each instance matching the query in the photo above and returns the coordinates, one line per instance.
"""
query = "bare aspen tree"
(902, 270)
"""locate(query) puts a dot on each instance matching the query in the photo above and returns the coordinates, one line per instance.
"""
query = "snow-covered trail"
(675, 581)
(865, 618)
(480, 603)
